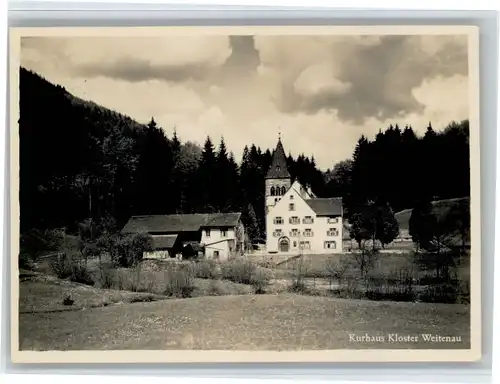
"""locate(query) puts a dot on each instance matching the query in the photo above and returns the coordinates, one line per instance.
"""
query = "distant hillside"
(68, 146)
(440, 206)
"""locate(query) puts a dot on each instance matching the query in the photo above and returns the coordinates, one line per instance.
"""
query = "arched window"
(273, 193)
(283, 190)
(278, 191)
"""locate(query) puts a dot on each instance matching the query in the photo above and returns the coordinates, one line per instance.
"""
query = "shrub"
(62, 266)
(349, 289)
(68, 301)
(206, 269)
(179, 281)
(299, 272)
(298, 286)
(35, 241)
(238, 271)
(441, 293)
(214, 289)
(259, 280)
(128, 250)
(107, 276)
(81, 274)
(26, 262)
(365, 260)
(336, 269)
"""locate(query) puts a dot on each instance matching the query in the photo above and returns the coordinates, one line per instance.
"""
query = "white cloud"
(243, 107)
(318, 79)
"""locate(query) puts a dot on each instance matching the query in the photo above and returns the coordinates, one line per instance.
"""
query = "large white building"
(296, 220)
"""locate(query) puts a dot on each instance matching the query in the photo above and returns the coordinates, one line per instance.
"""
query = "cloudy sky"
(320, 92)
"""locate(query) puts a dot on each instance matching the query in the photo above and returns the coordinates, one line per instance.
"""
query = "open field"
(385, 263)
(265, 322)
(44, 293)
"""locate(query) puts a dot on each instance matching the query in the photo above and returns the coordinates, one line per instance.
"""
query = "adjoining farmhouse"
(296, 220)
(217, 236)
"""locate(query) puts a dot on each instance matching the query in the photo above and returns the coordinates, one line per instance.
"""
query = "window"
(332, 232)
(277, 233)
(330, 244)
(283, 190)
(305, 245)
(273, 191)
(207, 232)
(333, 220)
(308, 232)
(291, 197)
(295, 244)
(291, 207)
(278, 220)
(223, 232)
(308, 220)
(278, 191)
(294, 220)
(278, 168)
(276, 200)
(295, 232)
(216, 255)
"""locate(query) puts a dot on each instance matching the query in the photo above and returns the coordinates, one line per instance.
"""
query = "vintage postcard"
(245, 194)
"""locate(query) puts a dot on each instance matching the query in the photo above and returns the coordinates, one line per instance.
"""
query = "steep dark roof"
(326, 207)
(164, 241)
(180, 223)
(278, 168)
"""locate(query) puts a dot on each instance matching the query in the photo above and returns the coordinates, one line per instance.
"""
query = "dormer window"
(278, 168)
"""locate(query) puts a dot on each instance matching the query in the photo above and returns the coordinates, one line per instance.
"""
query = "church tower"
(278, 179)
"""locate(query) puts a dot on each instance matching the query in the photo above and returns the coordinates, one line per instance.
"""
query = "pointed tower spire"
(278, 169)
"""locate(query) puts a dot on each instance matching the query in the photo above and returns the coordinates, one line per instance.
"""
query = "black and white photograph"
(198, 193)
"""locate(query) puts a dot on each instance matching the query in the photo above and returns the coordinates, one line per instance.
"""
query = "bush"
(349, 289)
(107, 276)
(448, 293)
(336, 269)
(62, 266)
(298, 286)
(239, 271)
(179, 281)
(128, 250)
(35, 242)
(206, 269)
(259, 280)
(26, 262)
(81, 274)
(299, 272)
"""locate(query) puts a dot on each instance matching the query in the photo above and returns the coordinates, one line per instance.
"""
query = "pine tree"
(387, 225)
(206, 190)
(251, 223)
(422, 223)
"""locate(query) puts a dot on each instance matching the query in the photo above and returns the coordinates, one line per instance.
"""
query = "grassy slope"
(441, 206)
(43, 293)
(271, 322)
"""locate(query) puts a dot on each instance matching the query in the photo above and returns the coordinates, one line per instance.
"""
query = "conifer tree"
(421, 224)
(387, 227)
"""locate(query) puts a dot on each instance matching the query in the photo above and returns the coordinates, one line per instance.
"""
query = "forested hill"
(79, 160)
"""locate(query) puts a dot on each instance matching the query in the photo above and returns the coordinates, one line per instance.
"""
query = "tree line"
(80, 161)
(402, 169)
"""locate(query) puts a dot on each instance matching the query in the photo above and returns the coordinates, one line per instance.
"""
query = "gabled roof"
(278, 168)
(164, 241)
(180, 223)
(326, 206)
